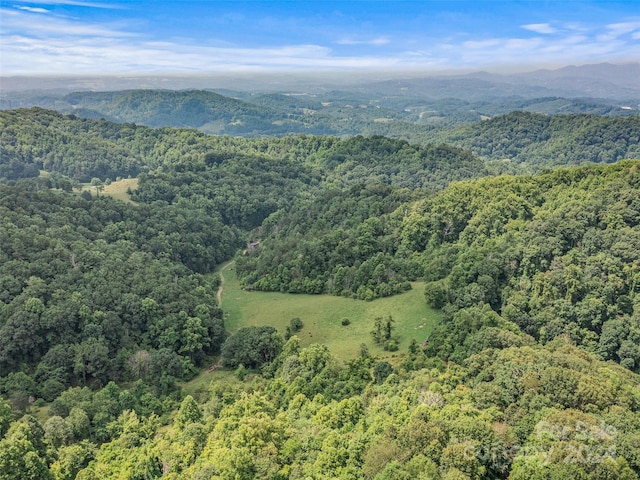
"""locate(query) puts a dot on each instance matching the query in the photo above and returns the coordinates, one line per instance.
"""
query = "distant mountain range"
(605, 80)
(409, 108)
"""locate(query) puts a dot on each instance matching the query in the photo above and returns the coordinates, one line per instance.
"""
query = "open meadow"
(322, 316)
(117, 189)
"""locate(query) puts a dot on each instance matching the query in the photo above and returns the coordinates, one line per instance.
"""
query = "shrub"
(295, 324)
(252, 347)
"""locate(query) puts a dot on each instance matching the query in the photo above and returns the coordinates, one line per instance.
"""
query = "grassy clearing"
(117, 190)
(42, 413)
(322, 316)
(200, 385)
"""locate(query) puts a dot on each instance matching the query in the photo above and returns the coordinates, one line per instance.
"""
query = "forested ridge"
(88, 283)
(85, 148)
(414, 110)
(555, 254)
(537, 141)
(109, 307)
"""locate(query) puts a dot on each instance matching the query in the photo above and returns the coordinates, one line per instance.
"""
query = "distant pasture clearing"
(322, 316)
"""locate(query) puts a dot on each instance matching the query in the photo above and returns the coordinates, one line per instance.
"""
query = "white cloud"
(417, 53)
(622, 28)
(576, 27)
(372, 41)
(481, 44)
(617, 30)
(524, 45)
(75, 3)
(117, 56)
(27, 23)
(573, 39)
(33, 9)
(33, 43)
(543, 28)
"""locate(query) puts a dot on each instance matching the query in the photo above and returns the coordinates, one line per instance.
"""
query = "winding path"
(221, 286)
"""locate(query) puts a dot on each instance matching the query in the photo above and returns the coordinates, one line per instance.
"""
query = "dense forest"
(541, 140)
(109, 307)
(83, 149)
(519, 142)
(552, 255)
(414, 110)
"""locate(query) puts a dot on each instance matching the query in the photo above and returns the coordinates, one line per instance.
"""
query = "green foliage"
(295, 325)
(421, 424)
(518, 411)
(416, 112)
(251, 347)
(72, 459)
(381, 333)
(551, 256)
(6, 416)
(188, 413)
(537, 278)
(188, 108)
(343, 241)
(381, 371)
(81, 296)
(15, 165)
(537, 141)
(23, 453)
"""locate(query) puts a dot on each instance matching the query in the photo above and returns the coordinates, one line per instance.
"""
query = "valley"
(376, 283)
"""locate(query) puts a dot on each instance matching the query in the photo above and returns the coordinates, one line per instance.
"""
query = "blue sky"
(51, 37)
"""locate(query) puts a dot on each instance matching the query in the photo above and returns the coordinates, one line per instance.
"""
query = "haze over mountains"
(283, 240)
(271, 105)
(605, 80)
(128, 343)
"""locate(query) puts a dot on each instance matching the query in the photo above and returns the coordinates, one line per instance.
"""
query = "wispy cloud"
(74, 3)
(617, 30)
(18, 21)
(117, 56)
(33, 9)
(543, 28)
(574, 48)
(482, 44)
(38, 41)
(623, 28)
(371, 41)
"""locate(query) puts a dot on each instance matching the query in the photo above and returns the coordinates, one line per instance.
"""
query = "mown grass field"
(117, 189)
(322, 316)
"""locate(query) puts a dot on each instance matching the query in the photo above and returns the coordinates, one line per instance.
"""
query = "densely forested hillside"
(551, 255)
(411, 110)
(77, 270)
(537, 141)
(556, 255)
(95, 290)
(107, 308)
(82, 149)
(207, 111)
(340, 241)
(519, 413)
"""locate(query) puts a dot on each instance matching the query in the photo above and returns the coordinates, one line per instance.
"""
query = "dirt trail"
(220, 288)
